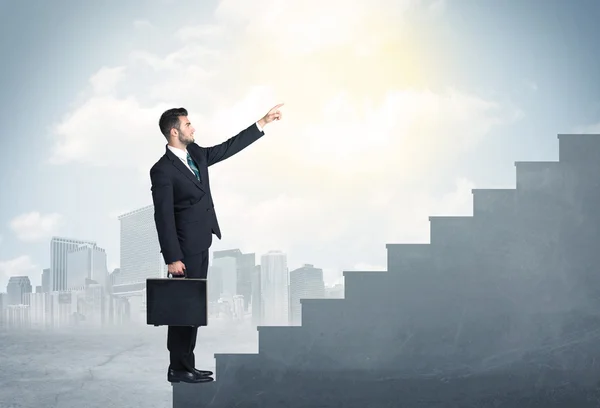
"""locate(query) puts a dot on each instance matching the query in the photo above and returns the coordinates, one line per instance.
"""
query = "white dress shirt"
(182, 154)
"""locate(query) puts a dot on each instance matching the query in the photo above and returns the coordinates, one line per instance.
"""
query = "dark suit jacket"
(184, 211)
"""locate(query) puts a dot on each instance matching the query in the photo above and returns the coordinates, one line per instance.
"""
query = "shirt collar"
(182, 154)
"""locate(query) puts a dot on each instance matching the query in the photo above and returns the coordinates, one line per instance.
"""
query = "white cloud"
(106, 79)
(20, 266)
(34, 226)
(106, 131)
(202, 32)
(349, 166)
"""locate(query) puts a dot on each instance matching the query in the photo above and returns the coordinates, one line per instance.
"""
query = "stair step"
(494, 201)
(319, 313)
(356, 283)
(408, 257)
(579, 149)
(229, 363)
(451, 231)
(282, 343)
(541, 175)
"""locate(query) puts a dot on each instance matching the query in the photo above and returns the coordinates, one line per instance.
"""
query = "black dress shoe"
(175, 376)
(202, 373)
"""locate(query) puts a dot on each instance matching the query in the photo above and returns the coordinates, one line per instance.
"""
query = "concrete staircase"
(484, 285)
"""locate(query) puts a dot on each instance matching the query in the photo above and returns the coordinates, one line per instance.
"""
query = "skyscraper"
(46, 280)
(245, 264)
(59, 248)
(17, 287)
(274, 282)
(86, 262)
(305, 283)
(215, 283)
(140, 256)
(228, 272)
(256, 297)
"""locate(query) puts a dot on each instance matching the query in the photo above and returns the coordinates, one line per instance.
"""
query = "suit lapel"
(183, 169)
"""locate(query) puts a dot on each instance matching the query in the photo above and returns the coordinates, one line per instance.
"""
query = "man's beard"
(185, 142)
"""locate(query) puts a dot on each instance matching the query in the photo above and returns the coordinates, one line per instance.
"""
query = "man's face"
(186, 133)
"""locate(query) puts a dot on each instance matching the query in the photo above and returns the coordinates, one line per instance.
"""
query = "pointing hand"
(273, 114)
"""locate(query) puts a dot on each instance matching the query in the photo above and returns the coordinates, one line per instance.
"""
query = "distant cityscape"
(78, 290)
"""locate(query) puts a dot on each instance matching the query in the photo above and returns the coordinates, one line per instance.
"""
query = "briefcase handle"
(170, 275)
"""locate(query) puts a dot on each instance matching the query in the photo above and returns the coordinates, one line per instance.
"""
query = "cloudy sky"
(394, 110)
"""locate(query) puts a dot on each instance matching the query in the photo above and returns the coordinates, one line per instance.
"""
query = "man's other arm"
(233, 145)
(164, 215)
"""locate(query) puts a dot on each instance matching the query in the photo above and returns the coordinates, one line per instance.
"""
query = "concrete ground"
(111, 368)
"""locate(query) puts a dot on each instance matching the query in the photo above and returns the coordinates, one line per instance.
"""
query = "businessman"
(185, 216)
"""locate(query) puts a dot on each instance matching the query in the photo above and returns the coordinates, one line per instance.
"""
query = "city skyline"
(79, 271)
(36, 278)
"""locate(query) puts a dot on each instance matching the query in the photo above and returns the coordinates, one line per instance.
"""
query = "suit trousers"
(181, 340)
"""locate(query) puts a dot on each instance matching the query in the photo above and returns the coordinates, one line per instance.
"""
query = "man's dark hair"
(170, 119)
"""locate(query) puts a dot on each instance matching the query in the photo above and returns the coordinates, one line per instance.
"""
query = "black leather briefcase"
(176, 302)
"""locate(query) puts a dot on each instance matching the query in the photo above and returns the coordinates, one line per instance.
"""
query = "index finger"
(278, 106)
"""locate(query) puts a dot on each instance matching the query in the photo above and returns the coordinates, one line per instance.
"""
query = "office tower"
(113, 276)
(245, 267)
(215, 283)
(228, 271)
(16, 289)
(305, 283)
(274, 283)
(140, 256)
(87, 262)
(46, 280)
(256, 297)
(39, 315)
(59, 248)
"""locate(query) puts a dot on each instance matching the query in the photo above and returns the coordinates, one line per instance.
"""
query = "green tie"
(193, 166)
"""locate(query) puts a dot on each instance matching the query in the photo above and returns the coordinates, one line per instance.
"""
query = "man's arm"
(242, 140)
(164, 216)
(233, 145)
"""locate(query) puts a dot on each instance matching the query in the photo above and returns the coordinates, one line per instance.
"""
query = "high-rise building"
(256, 297)
(140, 256)
(245, 266)
(46, 280)
(215, 283)
(113, 277)
(87, 262)
(17, 287)
(305, 283)
(228, 271)
(274, 282)
(59, 248)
